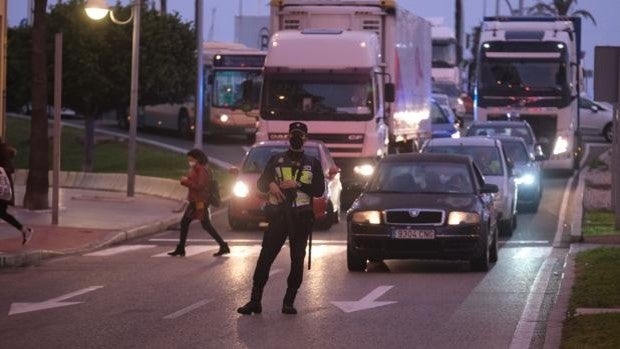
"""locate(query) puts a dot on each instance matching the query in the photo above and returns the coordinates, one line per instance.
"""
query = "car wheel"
(493, 254)
(354, 261)
(184, 125)
(505, 227)
(514, 222)
(235, 224)
(608, 133)
(482, 262)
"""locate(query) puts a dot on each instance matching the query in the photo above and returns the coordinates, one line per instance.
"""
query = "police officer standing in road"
(291, 180)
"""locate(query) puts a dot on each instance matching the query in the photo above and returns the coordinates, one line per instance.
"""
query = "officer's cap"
(298, 126)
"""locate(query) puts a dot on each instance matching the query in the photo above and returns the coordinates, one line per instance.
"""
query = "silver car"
(595, 118)
(489, 156)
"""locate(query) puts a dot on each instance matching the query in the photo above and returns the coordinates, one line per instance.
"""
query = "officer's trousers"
(274, 239)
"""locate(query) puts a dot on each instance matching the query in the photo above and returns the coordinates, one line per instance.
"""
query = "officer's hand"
(289, 184)
(276, 192)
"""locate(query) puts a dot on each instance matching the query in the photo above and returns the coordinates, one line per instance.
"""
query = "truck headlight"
(526, 179)
(365, 170)
(366, 217)
(241, 189)
(456, 218)
(561, 146)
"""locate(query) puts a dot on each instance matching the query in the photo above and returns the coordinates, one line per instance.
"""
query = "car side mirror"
(488, 188)
(594, 108)
(389, 92)
(333, 171)
(234, 171)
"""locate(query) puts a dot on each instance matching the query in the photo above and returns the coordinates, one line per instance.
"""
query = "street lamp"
(98, 9)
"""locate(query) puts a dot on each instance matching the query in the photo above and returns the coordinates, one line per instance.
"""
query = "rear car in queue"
(424, 206)
(246, 203)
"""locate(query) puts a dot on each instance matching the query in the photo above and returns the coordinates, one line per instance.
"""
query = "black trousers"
(4, 215)
(188, 217)
(273, 240)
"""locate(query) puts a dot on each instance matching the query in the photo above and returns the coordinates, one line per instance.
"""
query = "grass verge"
(597, 285)
(110, 155)
(598, 223)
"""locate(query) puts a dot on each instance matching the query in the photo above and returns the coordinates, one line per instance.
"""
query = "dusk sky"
(607, 32)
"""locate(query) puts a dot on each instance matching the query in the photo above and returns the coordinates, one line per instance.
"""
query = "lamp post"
(97, 10)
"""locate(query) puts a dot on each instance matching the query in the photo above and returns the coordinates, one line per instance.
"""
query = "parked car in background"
(443, 122)
(516, 128)
(489, 156)
(595, 118)
(526, 171)
(424, 206)
(246, 203)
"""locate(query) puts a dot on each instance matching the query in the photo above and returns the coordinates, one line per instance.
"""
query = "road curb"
(577, 213)
(27, 258)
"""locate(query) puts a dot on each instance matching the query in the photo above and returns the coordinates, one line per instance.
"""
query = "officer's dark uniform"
(293, 218)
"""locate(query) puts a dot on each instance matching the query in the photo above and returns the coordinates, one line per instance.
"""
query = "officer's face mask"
(296, 142)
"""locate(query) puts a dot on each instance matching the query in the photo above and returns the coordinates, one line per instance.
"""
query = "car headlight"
(526, 179)
(561, 146)
(456, 135)
(365, 170)
(224, 118)
(241, 189)
(456, 218)
(366, 217)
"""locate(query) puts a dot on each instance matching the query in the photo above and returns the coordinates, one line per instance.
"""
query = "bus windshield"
(236, 89)
(317, 97)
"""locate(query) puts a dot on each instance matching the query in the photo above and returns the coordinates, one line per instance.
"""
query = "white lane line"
(532, 252)
(244, 251)
(190, 251)
(562, 217)
(118, 250)
(246, 241)
(188, 309)
(529, 318)
(524, 242)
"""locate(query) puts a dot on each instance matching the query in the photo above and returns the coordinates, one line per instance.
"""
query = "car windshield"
(422, 177)
(516, 152)
(437, 115)
(495, 130)
(486, 157)
(317, 97)
(236, 89)
(258, 157)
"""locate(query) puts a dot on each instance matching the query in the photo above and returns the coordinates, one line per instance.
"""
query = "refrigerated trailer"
(529, 69)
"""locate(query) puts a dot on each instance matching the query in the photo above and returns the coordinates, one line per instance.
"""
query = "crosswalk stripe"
(118, 250)
(244, 251)
(190, 251)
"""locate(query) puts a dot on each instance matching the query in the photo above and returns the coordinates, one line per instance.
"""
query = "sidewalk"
(89, 219)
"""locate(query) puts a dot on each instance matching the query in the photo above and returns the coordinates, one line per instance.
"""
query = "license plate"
(414, 234)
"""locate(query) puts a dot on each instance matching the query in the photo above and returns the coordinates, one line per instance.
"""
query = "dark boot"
(179, 251)
(289, 299)
(254, 305)
(224, 249)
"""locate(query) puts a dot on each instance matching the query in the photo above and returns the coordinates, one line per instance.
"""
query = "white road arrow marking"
(187, 309)
(18, 308)
(368, 302)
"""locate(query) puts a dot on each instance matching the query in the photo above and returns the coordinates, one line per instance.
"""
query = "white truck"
(335, 66)
(445, 62)
(529, 69)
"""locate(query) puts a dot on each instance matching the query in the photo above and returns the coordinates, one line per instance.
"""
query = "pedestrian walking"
(198, 183)
(291, 180)
(7, 154)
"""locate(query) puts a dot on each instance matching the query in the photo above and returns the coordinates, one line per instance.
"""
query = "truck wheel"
(355, 263)
(184, 125)
(608, 133)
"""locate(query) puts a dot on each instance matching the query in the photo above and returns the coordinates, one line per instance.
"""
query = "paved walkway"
(88, 219)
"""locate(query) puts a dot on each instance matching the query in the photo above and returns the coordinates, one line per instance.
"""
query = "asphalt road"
(133, 295)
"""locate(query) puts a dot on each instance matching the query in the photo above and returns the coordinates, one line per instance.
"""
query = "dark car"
(424, 206)
(245, 205)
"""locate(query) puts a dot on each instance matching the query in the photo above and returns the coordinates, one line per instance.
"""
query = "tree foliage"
(19, 72)
(560, 8)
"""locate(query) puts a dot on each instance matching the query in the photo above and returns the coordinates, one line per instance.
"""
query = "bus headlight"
(456, 218)
(366, 217)
(224, 118)
(561, 146)
(365, 170)
(241, 189)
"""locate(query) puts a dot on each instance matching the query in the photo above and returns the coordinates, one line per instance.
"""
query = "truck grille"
(414, 216)
(336, 138)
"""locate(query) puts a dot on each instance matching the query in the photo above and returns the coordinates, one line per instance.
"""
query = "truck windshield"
(317, 97)
(236, 89)
(444, 54)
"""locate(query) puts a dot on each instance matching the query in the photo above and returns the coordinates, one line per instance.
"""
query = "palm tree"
(560, 8)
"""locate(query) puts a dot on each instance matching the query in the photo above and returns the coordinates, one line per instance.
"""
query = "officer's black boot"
(224, 249)
(254, 305)
(179, 251)
(289, 299)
